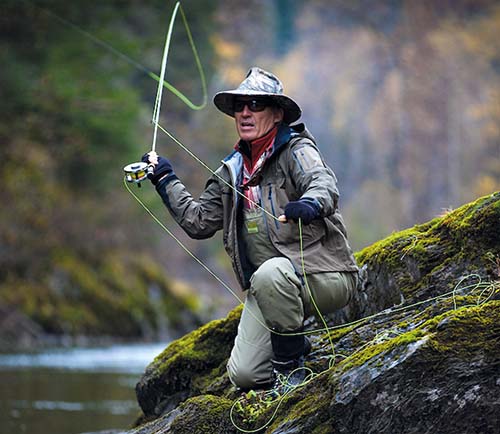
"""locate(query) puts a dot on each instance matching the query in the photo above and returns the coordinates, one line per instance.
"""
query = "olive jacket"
(295, 169)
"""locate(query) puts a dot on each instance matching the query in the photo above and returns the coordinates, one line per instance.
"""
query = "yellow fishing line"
(108, 47)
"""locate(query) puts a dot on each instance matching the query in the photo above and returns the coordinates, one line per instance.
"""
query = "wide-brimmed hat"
(259, 83)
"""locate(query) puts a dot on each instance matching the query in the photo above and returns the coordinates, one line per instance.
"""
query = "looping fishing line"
(108, 47)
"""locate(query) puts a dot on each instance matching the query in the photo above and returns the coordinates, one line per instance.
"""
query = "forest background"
(403, 98)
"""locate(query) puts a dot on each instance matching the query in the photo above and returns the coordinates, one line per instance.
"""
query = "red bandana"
(258, 147)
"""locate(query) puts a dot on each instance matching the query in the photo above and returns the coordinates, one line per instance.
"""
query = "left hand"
(304, 209)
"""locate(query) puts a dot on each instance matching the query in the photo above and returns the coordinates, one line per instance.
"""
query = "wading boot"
(288, 363)
(288, 375)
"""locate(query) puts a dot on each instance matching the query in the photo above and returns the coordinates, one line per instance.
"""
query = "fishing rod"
(139, 171)
(108, 47)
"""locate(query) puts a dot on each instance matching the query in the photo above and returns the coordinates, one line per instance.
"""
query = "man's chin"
(247, 136)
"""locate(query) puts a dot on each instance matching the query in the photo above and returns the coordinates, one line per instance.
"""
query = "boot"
(287, 375)
(288, 362)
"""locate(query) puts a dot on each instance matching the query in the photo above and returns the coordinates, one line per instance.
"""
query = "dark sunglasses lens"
(254, 105)
(258, 105)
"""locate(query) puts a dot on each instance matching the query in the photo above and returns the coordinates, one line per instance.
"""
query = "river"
(72, 391)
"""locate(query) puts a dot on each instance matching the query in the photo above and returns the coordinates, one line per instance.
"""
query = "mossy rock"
(443, 381)
(429, 259)
(198, 415)
(422, 356)
(189, 366)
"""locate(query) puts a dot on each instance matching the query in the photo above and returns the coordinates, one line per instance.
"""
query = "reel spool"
(137, 172)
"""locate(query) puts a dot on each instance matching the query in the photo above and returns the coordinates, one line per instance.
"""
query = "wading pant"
(277, 299)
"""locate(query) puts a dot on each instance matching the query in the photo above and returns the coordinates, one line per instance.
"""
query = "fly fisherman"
(281, 174)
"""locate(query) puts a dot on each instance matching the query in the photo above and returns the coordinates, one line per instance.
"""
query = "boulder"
(416, 351)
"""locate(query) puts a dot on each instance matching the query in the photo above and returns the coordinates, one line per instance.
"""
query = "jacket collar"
(285, 133)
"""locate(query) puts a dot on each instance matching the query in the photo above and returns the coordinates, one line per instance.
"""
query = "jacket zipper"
(270, 197)
(235, 244)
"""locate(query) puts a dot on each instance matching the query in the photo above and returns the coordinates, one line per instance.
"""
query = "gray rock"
(416, 351)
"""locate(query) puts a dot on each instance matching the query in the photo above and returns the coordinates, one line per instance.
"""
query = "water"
(83, 390)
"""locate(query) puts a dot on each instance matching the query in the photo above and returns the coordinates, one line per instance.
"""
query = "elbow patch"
(308, 158)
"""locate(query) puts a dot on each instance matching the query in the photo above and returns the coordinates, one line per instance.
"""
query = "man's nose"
(246, 111)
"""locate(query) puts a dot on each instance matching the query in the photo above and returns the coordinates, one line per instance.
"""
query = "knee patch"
(272, 274)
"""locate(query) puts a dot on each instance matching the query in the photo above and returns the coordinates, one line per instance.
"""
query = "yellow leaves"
(482, 37)
(225, 49)
(386, 112)
(487, 113)
(478, 38)
(485, 184)
(229, 54)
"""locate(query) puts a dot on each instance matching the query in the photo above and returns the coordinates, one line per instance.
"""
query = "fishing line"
(213, 172)
(108, 47)
(159, 92)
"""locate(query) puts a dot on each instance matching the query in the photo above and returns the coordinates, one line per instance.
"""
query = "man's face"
(254, 117)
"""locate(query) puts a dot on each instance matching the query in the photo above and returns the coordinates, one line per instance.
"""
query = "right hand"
(161, 166)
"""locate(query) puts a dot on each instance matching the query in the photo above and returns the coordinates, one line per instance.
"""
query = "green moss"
(468, 331)
(190, 363)
(455, 330)
(307, 405)
(251, 409)
(465, 239)
(374, 349)
(203, 414)
(323, 429)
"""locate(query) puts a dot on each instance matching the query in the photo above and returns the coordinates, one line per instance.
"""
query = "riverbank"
(86, 302)
(19, 334)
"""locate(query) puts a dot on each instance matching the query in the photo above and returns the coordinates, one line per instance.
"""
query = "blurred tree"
(73, 114)
(391, 92)
(402, 97)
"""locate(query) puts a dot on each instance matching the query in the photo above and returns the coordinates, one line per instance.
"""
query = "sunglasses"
(254, 105)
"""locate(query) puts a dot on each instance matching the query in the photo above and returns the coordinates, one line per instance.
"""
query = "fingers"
(153, 158)
(282, 218)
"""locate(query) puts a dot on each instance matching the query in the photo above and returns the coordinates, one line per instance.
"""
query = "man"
(273, 181)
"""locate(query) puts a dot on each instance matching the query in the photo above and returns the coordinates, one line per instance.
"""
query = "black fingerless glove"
(164, 167)
(306, 209)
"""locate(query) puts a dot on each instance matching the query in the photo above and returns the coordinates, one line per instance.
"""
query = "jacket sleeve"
(200, 219)
(313, 178)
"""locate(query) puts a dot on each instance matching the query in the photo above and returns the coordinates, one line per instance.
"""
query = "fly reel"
(137, 172)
